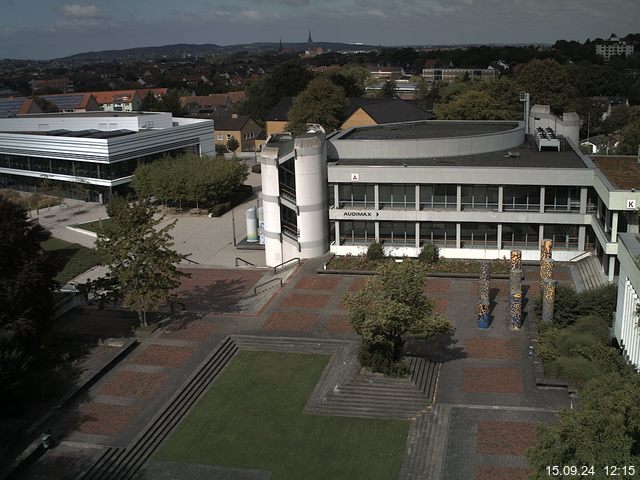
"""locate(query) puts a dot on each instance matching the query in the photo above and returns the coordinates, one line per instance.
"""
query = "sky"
(44, 29)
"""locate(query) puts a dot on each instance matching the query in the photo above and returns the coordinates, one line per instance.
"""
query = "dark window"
(479, 235)
(397, 196)
(357, 232)
(563, 236)
(521, 198)
(520, 235)
(356, 195)
(398, 233)
(480, 197)
(562, 199)
(289, 222)
(438, 233)
(438, 196)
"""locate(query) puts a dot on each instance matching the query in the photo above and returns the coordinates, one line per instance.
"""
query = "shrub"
(429, 254)
(375, 251)
(221, 149)
(220, 209)
(570, 305)
(573, 369)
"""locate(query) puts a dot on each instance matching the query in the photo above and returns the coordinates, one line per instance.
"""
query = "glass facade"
(289, 222)
(520, 235)
(521, 198)
(356, 195)
(287, 179)
(564, 237)
(479, 197)
(397, 195)
(479, 235)
(77, 168)
(357, 233)
(443, 234)
(562, 199)
(398, 233)
(438, 196)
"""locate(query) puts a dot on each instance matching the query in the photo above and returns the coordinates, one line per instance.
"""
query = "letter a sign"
(355, 177)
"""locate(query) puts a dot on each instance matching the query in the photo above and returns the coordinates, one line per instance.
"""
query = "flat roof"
(98, 113)
(524, 156)
(426, 129)
(622, 171)
(102, 134)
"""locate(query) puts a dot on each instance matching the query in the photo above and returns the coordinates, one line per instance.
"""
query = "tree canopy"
(391, 305)
(548, 84)
(495, 99)
(140, 256)
(321, 102)
(285, 80)
(604, 431)
(189, 178)
(26, 286)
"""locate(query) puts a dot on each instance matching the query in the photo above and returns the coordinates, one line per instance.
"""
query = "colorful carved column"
(546, 270)
(516, 259)
(515, 311)
(485, 271)
(545, 248)
(483, 304)
(548, 300)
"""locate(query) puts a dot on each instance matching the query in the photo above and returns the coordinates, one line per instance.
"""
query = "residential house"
(73, 102)
(241, 127)
(12, 106)
(119, 100)
(376, 111)
(613, 48)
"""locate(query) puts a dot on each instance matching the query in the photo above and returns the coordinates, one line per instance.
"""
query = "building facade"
(626, 328)
(613, 48)
(432, 75)
(92, 153)
(477, 189)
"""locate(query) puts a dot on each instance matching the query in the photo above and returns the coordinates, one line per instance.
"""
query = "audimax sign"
(360, 214)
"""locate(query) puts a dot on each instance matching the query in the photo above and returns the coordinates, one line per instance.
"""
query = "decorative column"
(515, 290)
(515, 311)
(546, 270)
(483, 295)
(548, 300)
(545, 248)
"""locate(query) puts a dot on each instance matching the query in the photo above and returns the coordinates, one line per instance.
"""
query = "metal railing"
(192, 261)
(268, 282)
(283, 264)
(577, 258)
(246, 262)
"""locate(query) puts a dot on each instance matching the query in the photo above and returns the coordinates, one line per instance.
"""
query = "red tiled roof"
(109, 97)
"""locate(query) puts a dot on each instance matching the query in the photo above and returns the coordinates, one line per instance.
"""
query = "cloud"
(80, 11)
(288, 3)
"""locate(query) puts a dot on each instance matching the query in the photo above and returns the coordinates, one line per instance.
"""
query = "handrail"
(583, 254)
(192, 261)
(246, 262)
(277, 279)
(296, 259)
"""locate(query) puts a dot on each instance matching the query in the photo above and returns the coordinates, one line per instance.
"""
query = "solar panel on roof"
(66, 102)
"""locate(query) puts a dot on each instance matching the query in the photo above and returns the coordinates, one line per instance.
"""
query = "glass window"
(356, 195)
(397, 196)
(480, 197)
(289, 222)
(438, 196)
(438, 233)
(357, 232)
(62, 167)
(331, 199)
(86, 169)
(40, 164)
(479, 235)
(520, 235)
(398, 233)
(562, 199)
(563, 236)
(521, 198)
(592, 200)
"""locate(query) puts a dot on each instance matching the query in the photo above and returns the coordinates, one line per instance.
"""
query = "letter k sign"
(631, 204)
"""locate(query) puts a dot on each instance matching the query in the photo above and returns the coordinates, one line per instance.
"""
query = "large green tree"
(391, 306)
(140, 256)
(26, 286)
(321, 102)
(285, 80)
(603, 431)
(548, 84)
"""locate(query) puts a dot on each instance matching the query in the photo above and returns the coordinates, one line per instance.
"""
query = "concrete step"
(438, 442)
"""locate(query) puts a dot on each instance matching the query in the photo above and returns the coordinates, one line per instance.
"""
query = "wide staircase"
(125, 463)
(426, 445)
(588, 274)
(373, 395)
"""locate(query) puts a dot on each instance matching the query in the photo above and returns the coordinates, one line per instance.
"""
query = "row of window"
(481, 235)
(105, 171)
(474, 197)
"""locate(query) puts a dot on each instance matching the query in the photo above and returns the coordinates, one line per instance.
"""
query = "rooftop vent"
(546, 138)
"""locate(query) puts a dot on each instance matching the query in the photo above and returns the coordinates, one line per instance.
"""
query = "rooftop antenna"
(524, 97)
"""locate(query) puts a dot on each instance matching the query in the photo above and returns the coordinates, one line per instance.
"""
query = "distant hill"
(182, 49)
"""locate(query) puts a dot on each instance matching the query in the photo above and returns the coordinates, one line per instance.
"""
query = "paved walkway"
(487, 404)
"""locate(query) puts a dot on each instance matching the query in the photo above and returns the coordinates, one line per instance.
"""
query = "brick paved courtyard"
(487, 377)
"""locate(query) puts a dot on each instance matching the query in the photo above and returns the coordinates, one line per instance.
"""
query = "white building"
(613, 47)
(477, 189)
(626, 328)
(96, 150)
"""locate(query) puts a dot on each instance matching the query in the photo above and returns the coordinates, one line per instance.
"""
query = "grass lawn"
(252, 418)
(93, 226)
(70, 259)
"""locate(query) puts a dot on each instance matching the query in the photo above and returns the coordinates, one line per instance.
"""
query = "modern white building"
(97, 151)
(477, 189)
(626, 327)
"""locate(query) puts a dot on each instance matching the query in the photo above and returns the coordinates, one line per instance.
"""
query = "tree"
(45, 105)
(391, 305)
(388, 90)
(630, 142)
(604, 431)
(26, 286)
(285, 80)
(139, 255)
(472, 105)
(171, 103)
(150, 103)
(232, 144)
(321, 102)
(548, 83)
